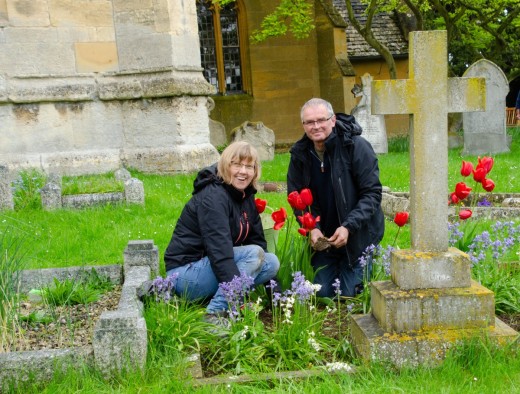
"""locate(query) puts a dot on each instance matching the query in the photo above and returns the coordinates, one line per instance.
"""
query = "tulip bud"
(488, 185)
(466, 169)
(401, 218)
(465, 214)
(306, 196)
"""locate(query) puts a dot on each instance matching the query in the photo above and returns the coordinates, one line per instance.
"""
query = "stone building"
(87, 86)
(280, 74)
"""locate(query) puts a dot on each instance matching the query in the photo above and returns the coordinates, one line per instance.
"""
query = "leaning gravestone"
(431, 300)
(6, 193)
(485, 132)
(217, 130)
(374, 127)
(261, 137)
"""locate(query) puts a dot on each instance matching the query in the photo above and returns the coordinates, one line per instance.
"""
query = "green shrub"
(27, 188)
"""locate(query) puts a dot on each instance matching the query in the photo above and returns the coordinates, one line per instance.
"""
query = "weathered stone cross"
(429, 95)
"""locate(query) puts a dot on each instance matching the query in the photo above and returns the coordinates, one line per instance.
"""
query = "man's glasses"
(318, 122)
(238, 166)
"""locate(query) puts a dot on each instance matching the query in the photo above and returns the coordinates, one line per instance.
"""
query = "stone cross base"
(430, 304)
(414, 348)
(412, 269)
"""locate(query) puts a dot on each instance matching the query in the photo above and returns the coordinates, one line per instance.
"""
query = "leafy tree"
(477, 29)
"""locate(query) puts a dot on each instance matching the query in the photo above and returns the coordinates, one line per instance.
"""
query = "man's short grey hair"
(314, 102)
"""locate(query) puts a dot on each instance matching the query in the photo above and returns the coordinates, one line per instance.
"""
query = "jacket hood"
(347, 126)
(206, 176)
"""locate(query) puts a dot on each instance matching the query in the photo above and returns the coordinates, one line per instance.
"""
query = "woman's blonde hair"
(238, 151)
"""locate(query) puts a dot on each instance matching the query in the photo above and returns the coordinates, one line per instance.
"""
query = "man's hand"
(340, 237)
(315, 234)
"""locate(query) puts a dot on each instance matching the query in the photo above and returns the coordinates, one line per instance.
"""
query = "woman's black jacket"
(215, 219)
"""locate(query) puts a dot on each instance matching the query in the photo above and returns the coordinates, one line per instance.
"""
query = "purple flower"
(484, 203)
(301, 288)
(336, 285)
(236, 291)
(163, 288)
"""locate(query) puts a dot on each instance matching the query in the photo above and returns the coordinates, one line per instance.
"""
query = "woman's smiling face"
(241, 174)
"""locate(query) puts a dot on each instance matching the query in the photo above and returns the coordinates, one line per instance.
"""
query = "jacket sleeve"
(213, 216)
(365, 174)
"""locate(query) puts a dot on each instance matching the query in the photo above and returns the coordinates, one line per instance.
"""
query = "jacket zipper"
(322, 165)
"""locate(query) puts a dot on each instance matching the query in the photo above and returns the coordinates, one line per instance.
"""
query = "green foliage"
(76, 291)
(12, 253)
(398, 144)
(84, 184)
(295, 16)
(175, 326)
(27, 187)
(294, 253)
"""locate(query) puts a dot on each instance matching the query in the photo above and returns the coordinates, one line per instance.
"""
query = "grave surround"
(119, 339)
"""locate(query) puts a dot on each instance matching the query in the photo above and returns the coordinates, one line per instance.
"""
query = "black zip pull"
(322, 166)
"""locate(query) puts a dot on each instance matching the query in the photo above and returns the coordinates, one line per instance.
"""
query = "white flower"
(338, 366)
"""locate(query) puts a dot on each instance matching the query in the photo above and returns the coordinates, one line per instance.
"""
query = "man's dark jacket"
(215, 219)
(355, 180)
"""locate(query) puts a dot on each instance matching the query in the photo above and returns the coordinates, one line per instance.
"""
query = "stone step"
(412, 269)
(399, 310)
(415, 348)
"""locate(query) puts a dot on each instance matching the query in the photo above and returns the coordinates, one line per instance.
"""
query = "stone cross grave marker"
(428, 96)
(431, 300)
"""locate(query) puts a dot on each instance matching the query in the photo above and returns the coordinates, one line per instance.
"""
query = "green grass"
(104, 183)
(475, 367)
(99, 235)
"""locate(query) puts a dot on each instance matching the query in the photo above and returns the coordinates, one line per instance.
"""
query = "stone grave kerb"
(431, 300)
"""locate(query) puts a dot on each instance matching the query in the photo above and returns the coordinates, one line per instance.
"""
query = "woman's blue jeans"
(197, 281)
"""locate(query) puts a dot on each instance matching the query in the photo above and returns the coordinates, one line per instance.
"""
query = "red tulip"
(260, 205)
(467, 168)
(279, 218)
(401, 218)
(308, 221)
(479, 174)
(453, 198)
(465, 214)
(295, 201)
(462, 190)
(306, 196)
(486, 163)
(303, 231)
(488, 185)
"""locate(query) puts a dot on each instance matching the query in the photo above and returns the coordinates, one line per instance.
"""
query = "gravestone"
(431, 300)
(261, 137)
(6, 193)
(485, 132)
(374, 127)
(217, 130)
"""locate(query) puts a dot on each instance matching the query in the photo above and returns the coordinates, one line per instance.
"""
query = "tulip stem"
(396, 235)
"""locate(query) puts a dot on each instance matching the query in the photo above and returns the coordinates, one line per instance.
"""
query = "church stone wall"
(89, 85)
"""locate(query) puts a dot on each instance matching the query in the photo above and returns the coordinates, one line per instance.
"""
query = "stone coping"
(394, 202)
(90, 87)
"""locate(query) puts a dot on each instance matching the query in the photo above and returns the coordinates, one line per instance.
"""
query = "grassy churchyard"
(314, 337)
